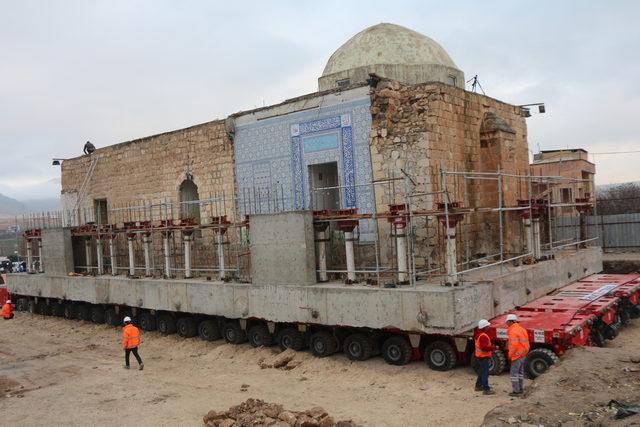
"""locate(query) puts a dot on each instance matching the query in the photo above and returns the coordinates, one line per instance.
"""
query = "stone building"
(390, 115)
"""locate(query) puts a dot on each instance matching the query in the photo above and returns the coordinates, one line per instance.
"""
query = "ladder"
(85, 184)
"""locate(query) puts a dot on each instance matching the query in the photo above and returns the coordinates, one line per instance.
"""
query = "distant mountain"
(10, 206)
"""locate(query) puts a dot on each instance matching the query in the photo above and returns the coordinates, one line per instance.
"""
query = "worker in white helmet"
(130, 342)
(518, 346)
(483, 354)
(7, 310)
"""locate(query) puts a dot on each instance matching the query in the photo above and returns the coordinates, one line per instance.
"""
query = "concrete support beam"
(112, 256)
(221, 265)
(40, 257)
(166, 251)
(401, 249)
(99, 256)
(132, 256)
(537, 247)
(186, 240)
(87, 254)
(351, 263)
(29, 256)
(146, 245)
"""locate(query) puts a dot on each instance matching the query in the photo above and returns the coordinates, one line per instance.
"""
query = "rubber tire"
(597, 337)
(84, 312)
(233, 333)
(610, 332)
(440, 356)
(166, 324)
(97, 314)
(32, 307)
(497, 365)
(43, 308)
(208, 330)
(290, 338)
(22, 304)
(259, 336)
(635, 311)
(111, 317)
(625, 316)
(148, 322)
(69, 311)
(397, 350)
(536, 359)
(323, 344)
(57, 309)
(187, 327)
(358, 347)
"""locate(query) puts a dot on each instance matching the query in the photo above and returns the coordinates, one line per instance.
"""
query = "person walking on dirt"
(483, 354)
(130, 342)
(518, 346)
(7, 310)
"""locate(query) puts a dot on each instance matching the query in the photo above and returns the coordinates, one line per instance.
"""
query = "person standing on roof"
(89, 148)
(7, 310)
(483, 354)
(518, 346)
(130, 342)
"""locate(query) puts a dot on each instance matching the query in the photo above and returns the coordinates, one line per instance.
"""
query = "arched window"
(189, 195)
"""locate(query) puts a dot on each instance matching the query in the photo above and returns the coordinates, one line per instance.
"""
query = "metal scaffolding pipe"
(351, 263)
(132, 258)
(87, 253)
(40, 263)
(167, 254)
(401, 243)
(112, 255)
(537, 249)
(220, 241)
(186, 238)
(99, 255)
(146, 246)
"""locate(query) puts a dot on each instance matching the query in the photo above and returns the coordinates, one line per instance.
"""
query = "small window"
(452, 80)
(343, 83)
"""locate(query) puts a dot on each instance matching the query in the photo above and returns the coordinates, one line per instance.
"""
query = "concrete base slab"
(427, 308)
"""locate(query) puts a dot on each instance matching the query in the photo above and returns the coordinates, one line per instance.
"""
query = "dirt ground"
(55, 371)
(576, 392)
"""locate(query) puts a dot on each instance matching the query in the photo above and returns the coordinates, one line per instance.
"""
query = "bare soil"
(576, 391)
(65, 372)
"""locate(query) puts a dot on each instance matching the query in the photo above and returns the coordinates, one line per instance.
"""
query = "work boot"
(488, 392)
(141, 366)
(514, 394)
(126, 366)
(478, 388)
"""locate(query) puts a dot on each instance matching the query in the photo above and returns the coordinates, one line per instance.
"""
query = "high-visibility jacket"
(6, 311)
(484, 348)
(130, 336)
(518, 341)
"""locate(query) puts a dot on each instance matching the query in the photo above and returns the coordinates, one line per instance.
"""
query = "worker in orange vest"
(130, 342)
(483, 354)
(518, 345)
(7, 310)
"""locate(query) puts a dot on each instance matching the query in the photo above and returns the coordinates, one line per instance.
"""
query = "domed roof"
(388, 45)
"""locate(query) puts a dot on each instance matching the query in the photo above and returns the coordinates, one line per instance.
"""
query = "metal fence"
(613, 231)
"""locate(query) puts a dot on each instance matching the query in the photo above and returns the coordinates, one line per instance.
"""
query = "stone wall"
(418, 129)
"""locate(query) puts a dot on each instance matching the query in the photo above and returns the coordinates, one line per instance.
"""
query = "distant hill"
(10, 206)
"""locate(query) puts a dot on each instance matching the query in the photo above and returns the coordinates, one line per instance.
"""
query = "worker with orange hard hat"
(518, 346)
(483, 353)
(7, 310)
(130, 342)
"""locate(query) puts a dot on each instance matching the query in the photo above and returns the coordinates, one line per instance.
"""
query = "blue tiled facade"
(273, 156)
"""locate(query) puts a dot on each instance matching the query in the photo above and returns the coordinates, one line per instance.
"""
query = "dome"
(390, 51)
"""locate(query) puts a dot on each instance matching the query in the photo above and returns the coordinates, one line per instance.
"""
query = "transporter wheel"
(497, 364)
(209, 330)
(57, 309)
(358, 347)
(538, 361)
(440, 356)
(290, 338)
(43, 308)
(259, 336)
(187, 327)
(69, 311)
(323, 344)
(635, 311)
(396, 350)
(111, 317)
(22, 304)
(625, 315)
(97, 314)
(233, 333)
(148, 322)
(610, 332)
(84, 312)
(597, 337)
(166, 324)
(32, 307)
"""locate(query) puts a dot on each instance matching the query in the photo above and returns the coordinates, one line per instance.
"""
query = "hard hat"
(512, 318)
(483, 323)
(127, 319)
(8, 301)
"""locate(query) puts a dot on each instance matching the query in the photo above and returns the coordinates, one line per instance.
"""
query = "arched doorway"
(189, 193)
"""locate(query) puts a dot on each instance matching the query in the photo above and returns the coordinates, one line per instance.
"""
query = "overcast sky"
(111, 71)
